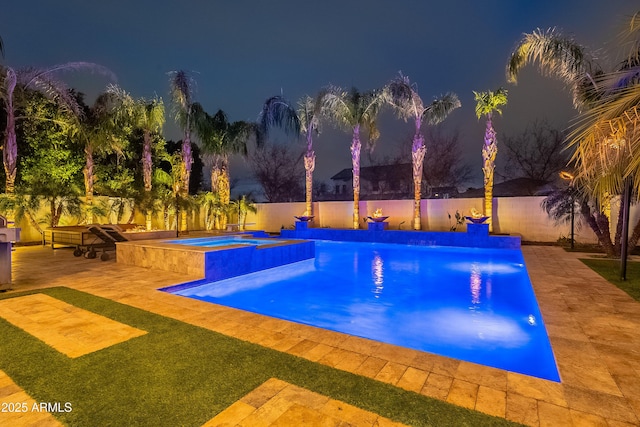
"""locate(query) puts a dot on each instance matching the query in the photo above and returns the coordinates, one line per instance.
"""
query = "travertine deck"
(594, 330)
(278, 403)
(19, 409)
(70, 330)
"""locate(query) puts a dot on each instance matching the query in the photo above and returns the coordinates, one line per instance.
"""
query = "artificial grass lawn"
(182, 375)
(610, 270)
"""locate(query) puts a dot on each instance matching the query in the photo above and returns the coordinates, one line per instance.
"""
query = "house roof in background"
(378, 173)
(514, 188)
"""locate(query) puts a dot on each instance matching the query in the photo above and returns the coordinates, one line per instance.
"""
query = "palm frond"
(490, 101)
(278, 112)
(403, 97)
(440, 108)
(181, 88)
(557, 56)
(337, 106)
(309, 110)
(154, 117)
(1, 48)
(43, 79)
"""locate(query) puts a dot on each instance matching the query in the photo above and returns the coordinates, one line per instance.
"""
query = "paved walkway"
(594, 330)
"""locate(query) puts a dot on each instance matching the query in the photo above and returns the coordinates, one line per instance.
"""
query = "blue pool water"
(212, 242)
(470, 304)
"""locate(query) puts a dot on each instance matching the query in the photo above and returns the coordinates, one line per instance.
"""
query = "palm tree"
(486, 104)
(182, 95)
(100, 131)
(150, 119)
(213, 209)
(351, 110)
(309, 112)
(606, 136)
(243, 206)
(403, 97)
(42, 80)
(220, 139)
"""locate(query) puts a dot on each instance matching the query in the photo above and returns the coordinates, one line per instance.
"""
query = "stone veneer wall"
(212, 263)
(161, 258)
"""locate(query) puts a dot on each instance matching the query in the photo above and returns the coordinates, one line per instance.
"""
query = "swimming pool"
(471, 304)
(213, 242)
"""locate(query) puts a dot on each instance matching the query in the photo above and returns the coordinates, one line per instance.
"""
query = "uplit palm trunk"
(10, 148)
(309, 166)
(355, 161)
(418, 151)
(489, 151)
(147, 172)
(187, 160)
(88, 182)
(224, 187)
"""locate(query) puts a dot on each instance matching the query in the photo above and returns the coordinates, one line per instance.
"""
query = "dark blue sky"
(241, 52)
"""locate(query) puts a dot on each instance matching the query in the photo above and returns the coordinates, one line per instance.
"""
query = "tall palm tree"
(309, 114)
(403, 97)
(99, 131)
(182, 87)
(42, 80)
(352, 110)
(221, 139)
(150, 119)
(486, 104)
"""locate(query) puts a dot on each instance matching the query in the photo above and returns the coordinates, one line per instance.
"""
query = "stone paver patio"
(594, 329)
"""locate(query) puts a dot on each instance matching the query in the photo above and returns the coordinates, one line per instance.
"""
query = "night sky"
(242, 52)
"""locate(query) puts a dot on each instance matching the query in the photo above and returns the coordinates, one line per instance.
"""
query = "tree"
(182, 96)
(278, 170)
(40, 79)
(351, 110)
(214, 209)
(221, 139)
(486, 104)
(537, 153)
(148, 117)
(51, 173)
(309, 114)
(445, 166)
(243, 206)
(606, 137)
(403, 97)
(100, 129)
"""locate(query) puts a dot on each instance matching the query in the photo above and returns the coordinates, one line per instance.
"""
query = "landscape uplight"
(568, 176)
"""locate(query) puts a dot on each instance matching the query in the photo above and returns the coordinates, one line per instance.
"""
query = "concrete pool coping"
(594, 329)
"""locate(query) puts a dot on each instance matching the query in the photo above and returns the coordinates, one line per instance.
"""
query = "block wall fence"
(521, 216)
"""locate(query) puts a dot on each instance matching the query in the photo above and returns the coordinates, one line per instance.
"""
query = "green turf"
(182, 375)
(610, 270)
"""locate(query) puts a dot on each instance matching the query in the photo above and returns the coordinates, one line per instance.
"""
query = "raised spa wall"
(212, 263)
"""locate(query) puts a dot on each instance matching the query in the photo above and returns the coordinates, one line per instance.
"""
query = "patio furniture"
(105, 238)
